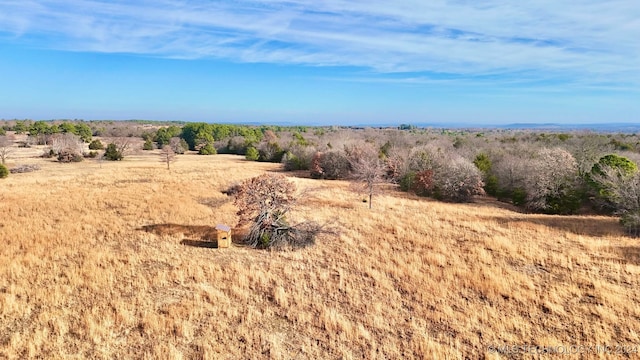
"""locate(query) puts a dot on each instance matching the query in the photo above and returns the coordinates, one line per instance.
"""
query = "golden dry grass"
(103, 261)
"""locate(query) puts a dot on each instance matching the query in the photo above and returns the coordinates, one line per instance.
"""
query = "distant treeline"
(541, 171)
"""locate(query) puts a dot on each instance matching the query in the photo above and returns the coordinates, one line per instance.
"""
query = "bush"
(509, 173)
(270, 152)
(96, 145)
(483, 163)
(236, 145)
(491, 185)
(207, 149)
(631, 222)
(445, 176)
(148, 145)
(179, 146)
(112, 153)
(334, 165)
(426, 157)
(407, 181)
(553, 183)
(47, 154)
(316, 171)
(622, 192)
(66, 156)
(91, 154)
(67, 147)
(252, 154)
(4, 172)
(292, 162)
(603, 176)
(518, 196)
(626, 166)
(458, 180)
(298, 158)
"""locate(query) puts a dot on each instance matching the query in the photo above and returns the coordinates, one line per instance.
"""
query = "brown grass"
(102, 261)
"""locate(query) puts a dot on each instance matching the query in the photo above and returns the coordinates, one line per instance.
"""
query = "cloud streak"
(580, 41)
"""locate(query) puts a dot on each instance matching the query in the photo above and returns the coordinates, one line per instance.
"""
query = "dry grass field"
(110, 260)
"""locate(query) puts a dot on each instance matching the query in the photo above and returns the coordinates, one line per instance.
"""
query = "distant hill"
(599, 127)
(610, 127)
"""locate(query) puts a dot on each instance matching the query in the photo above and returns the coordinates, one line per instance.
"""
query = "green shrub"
(483, 163)
(148, 145)
(91, 154)
(252, 154)
(292, 162)
(491, 185)
(631, 222)
(207, 149)
(609, 171)
(568, 203)
(270, 152)
(407, 180)
(96, 145)
(626, 166)
(298, 158)
(4, 172)
(518, 196)
(112, 153)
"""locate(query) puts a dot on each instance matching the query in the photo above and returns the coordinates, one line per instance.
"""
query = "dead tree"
(167, 155)
(123, 145)
(368, 171)
(263, 203)
(6, 148)
(68, 147)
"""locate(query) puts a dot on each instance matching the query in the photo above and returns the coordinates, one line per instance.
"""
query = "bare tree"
(6, 148)
(587, 148)
(509, 171)
(123, 145)
(167, 155)
(552, 182)
(437, 170)
(178, 145)
(368, 170)
(67, 146)
(458, 180)
(396, 163)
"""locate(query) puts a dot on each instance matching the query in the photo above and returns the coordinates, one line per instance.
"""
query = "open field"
(106, 260)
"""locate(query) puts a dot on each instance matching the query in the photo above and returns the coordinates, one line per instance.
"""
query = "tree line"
(545, 172)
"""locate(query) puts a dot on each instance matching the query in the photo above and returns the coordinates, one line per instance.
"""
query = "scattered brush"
(25, 168)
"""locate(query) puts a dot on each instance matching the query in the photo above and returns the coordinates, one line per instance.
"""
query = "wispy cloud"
(578, 41)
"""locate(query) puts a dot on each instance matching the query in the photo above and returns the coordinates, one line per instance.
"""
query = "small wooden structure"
(223, 234)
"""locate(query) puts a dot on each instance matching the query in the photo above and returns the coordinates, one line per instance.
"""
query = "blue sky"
(322, 61)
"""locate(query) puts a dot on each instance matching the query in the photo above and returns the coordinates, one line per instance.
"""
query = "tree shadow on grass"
(596, 226)
(202, 236)
(629, 253)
